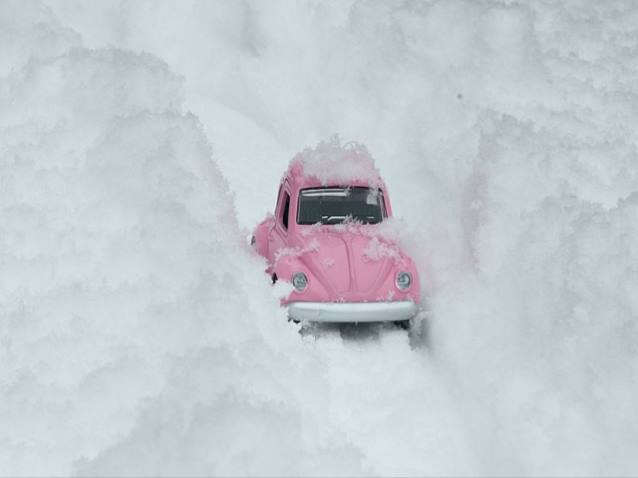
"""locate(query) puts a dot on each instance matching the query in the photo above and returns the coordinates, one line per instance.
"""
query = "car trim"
(352, 311)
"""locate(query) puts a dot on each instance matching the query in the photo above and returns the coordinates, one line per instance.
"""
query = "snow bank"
(552, 330)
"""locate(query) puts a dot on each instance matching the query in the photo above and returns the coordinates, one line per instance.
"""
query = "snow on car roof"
(332, 163)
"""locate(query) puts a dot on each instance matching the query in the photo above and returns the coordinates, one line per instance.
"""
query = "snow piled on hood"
(333, 163)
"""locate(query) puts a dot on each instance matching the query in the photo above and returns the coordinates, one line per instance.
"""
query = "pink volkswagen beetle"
(326, 239)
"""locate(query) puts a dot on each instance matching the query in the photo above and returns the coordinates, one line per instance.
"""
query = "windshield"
(335, 205)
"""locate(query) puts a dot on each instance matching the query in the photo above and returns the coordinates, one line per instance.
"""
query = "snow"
(333, 163)
(377, 249)
(140, 141)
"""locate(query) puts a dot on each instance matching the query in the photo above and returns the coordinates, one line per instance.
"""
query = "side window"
(286, 210)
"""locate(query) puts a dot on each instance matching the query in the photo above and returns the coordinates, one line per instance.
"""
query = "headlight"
(299, 281)
(404, 280)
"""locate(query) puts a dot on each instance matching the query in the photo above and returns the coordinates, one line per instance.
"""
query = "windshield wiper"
(332, 219)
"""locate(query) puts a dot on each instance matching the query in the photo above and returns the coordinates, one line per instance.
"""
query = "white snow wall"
(506, 133)
(126, 293)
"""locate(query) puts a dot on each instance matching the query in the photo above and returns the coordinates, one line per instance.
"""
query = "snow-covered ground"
(139, 143)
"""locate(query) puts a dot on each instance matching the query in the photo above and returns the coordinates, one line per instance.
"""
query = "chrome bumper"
(352, 311)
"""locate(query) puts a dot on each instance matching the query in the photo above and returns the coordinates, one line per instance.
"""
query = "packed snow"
(141, 141)
(334, 163)
(378, 249)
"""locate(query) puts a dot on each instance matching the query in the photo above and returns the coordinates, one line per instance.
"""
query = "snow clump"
(333, 163)
(377, 249)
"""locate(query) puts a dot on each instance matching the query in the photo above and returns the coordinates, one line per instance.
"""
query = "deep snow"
(139, 143)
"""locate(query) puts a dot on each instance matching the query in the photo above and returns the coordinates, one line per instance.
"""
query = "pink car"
(326, 239)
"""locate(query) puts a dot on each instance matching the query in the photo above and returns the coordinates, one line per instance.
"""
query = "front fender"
(414, 292)
(260, 236)
(286, 267)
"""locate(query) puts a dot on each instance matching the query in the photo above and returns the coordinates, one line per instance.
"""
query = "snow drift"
(133, 344)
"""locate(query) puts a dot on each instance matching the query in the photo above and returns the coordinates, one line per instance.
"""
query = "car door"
(278, 236)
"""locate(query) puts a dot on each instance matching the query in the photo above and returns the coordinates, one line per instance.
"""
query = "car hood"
(350, 266)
